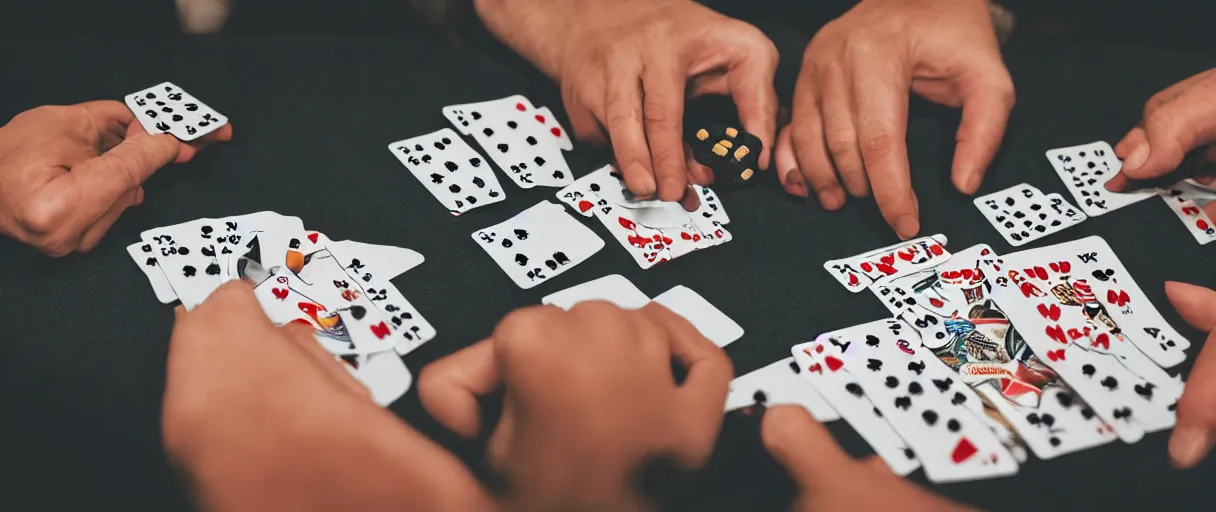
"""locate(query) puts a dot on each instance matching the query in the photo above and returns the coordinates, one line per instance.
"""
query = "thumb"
(1195, 432)
(1172, 130)
(802, 445)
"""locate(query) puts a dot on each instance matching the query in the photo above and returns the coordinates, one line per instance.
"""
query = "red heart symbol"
(985, 252)
(906, 256)
(557, 132)
(815, 368)
(866, 267)
(1052, 313)
(967, 273)
(886, 269)
(833, 363)
(638, 241)
(313, 236)
(1119, 298)
(520, 107)
(936, 250)
(1056, 355)
(1056, 333)
(626, 223)
(540, 118)
(888, 259)
(853, 280)
(936, 302)
(1201, 224)
(963, 450)
(1190, 210)
(380, 330)
(584, 205)
(1040, 273)
(818, 349)
(1102, 340)
(685, 236)
(696, 238)
(279, 293)
(951, 274)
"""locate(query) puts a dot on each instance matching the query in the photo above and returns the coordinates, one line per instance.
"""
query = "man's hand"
(1195, 432)
(262, 417)
(850, 115)
(1175, 121)
(68, 173)
(829, 479)
(590, 396)
(626, 66)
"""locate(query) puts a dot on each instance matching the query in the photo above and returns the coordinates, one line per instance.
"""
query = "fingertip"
(832, 198)
(906, 226)
(784, 427)
(1190, 444)
(967, 182)
(671, 188)
(640, 180)
(1117, 183)
(794, 183)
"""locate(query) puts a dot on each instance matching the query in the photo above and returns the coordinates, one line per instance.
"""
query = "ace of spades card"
(538, 244)
(1085, 169)
(450, 170)
(166, 108)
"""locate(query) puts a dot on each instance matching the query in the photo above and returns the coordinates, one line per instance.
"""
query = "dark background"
(83, 341)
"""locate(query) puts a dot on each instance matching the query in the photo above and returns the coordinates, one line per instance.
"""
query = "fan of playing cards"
(342, 289)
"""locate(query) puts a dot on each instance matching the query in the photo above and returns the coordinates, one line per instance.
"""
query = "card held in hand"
(166, 108)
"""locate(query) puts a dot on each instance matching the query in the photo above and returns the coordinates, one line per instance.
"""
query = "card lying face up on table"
(651, 231)
(524, 141)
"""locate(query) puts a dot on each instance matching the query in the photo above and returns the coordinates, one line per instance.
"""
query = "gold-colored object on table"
(719, 150)
(702, 134)
(741, 152)
(728, 144)
(732, 133)
(747, 174)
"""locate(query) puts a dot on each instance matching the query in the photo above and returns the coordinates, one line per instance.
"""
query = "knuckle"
(656, 112)
(840, 143)
(41, 216)
(879, 140)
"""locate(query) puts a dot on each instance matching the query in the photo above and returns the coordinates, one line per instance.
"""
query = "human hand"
(590, 397)
(1195, 431)
(625, 66)
(262, 417)
(829, 479)
(850, 115)
(1176, 120)
(68, 172)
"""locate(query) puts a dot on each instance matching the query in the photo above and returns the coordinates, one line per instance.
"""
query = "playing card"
(370, 269)
(387, 261)
(144, 256)
(857, 273)
(822, 365)
(583, 194)
(516, 137)
(1187, 199)
(778, 384)
(538, 244)
(648, 247)
(710, 209)
(1085, 169)
(186, 253)
(613, 288)
(1023, 214)
(285, 299)
(383, 374)
(712, 323)
(554, 127)
(166, 108)
(450, 170)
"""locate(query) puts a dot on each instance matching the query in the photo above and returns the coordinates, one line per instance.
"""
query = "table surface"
(83, 352)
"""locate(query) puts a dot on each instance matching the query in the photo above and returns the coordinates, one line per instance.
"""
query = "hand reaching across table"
(68, 172)
(1195, 431)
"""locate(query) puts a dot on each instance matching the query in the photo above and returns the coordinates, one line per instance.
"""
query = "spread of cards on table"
(1054, 349)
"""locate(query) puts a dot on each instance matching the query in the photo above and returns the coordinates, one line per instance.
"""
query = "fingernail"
(1189, 444)
(907, 227)
(794, 184)
(647, 186)
(1137, 158)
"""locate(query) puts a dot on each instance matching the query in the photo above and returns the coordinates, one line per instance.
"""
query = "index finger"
(751, 88)
(663, 112)
(880, 103)
(110, 119)
(623, 117)
(450, 387)
(986, 107)
(802, 445)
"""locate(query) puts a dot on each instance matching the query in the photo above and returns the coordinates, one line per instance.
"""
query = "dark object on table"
(732, 153)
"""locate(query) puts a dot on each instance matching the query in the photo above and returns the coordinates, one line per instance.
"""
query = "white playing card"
(712, 323)
(143, 255)
(554, 127)
(538, 244)
(823, 367)
(710, 209)
(583, 194)
(1187, 200)
(166, 108)
(186, 254)
(1023, 214)
(1085, 169)
(371, 269)
(779, 383)
(614, 288)
(450, 170)
(647, 246)
(286, 299)
(383, 374)
(514, 135)
(387, 261)
(857, 273)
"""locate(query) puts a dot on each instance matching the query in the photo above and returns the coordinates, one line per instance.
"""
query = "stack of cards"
(708, 319)
(651, 231)
(1023, 214)
(166, 108)
(525, 142)
(342, 289)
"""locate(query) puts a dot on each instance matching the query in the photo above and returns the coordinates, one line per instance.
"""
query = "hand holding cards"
(166, 108)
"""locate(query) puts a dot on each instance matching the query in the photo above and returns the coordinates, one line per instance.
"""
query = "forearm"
(536, 29)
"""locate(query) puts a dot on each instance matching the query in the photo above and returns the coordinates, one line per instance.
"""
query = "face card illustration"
(613, 288)
(822, 365)
(857, 273)
(538, 244)
(1085, 169)
(144, 256)
(166, 108)
(777, 384)
(708, 319)
(450, 170)
(1188, 200)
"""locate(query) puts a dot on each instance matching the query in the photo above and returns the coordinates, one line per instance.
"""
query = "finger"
(304, 337)
(189, 149)
(787, 165)
(697, 173)
(92, 236)
(1195, 431)
(810, 149)
(751, 88)
(802, 446)
(450, 387)
(841, 135)
(663, 115)
(985, 113)
(583, 123)
(109, 119)
(623, 117)
(691, 200)
(1172, 130)
(881, 114)
(703, 393)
